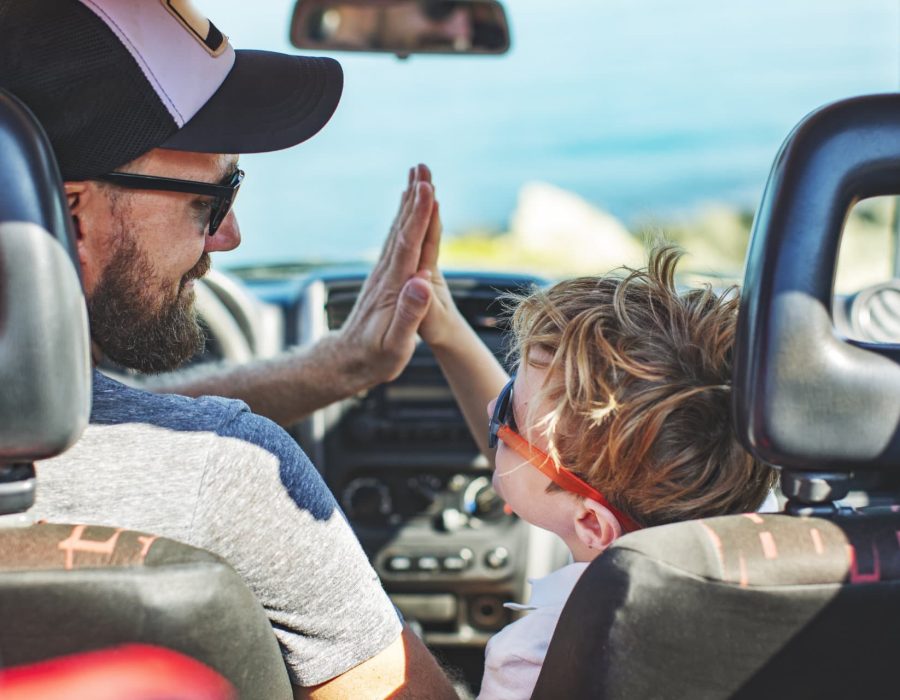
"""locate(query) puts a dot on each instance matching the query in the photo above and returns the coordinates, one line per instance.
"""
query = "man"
(144, 101)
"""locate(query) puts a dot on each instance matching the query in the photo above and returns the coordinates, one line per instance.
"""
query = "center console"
(413, 484)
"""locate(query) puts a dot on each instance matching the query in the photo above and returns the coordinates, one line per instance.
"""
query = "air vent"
(874, 313)
(339, 302)
(479, 298)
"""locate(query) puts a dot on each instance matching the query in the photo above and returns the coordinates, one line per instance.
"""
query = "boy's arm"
(474, 374)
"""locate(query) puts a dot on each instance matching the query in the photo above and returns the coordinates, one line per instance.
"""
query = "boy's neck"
(581, 552)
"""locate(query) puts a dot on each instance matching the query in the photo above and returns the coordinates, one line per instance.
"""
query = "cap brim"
(269, 101)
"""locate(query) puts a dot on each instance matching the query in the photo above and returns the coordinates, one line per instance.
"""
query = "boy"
(618, 418)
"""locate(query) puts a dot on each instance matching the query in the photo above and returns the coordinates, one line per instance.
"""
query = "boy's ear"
(595, 525)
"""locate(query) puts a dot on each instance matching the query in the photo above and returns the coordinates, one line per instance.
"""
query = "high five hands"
(380, 332)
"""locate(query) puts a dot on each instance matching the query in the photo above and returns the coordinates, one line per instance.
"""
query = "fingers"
(406, 199)
(421, 173)
(431, 246)
(407, 193)
(402, 250)
(412, 306)
(406, 250)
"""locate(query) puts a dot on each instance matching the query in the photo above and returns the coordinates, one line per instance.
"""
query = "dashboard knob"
(480, 500)
(452, 520)
(367, 499)
(496, 558)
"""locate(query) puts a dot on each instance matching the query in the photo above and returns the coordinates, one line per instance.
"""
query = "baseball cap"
(110, 80)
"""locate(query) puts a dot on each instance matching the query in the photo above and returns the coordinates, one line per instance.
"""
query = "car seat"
(74, 588)
(803, 604)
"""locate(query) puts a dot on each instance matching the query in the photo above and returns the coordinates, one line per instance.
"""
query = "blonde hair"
(640, 384)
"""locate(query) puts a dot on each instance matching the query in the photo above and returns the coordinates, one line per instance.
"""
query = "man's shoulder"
(238, 432)
(115, 403)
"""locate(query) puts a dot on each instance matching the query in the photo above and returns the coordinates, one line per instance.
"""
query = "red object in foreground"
(129, 672)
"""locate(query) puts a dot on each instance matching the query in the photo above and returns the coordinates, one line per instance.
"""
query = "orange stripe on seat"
(817, 540)
(770, 551)
(855, 575)
(744, 579)
(717, 545)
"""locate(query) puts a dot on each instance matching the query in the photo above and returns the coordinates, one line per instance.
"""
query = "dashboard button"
(458, 562)
(428, 564)
(399, 564)
(454, 564)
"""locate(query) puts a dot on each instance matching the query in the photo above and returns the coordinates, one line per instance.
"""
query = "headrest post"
(814, 493)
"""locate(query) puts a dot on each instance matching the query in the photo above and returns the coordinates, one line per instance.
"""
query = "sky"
(642, 107)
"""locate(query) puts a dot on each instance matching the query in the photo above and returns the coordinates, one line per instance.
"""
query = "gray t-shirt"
(210, 473)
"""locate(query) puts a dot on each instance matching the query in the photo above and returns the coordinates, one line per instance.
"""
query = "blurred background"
(609, 123)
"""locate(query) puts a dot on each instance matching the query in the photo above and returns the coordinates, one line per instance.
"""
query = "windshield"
(607, 121)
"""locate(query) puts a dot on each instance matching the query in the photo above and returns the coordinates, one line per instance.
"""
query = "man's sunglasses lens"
(222, 205)
(218, 212)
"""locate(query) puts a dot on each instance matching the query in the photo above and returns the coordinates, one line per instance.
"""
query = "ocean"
(642, 107)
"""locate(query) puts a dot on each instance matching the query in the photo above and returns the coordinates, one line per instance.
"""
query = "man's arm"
(373, 346)
(403, 671)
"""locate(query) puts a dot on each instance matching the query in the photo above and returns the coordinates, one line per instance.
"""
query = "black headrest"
(45, 370)
(30, 184)
(805, 398)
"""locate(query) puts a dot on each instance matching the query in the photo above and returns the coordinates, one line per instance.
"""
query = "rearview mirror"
(402, 27)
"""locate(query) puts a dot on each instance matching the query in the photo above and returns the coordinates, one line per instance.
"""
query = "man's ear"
(76, 198)
(82, 198)
(595, 525)
(74, 193)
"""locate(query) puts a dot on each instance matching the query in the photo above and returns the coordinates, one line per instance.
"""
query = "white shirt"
(514, 655)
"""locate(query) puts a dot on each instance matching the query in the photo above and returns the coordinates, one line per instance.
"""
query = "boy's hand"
(439, 327)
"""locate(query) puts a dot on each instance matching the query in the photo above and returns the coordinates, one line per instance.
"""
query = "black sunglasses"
(223, 194)
(503, 413)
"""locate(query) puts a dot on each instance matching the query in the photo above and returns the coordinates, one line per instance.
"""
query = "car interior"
(797, 604)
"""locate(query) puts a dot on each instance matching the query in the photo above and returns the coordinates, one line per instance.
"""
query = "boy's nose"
(490, 407)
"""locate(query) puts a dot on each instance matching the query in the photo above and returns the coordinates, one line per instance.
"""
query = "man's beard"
(136, 321)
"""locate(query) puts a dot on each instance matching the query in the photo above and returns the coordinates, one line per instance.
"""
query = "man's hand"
(379, 337)
(375, 343)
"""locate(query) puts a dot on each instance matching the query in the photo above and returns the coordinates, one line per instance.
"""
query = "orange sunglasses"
(503, 427)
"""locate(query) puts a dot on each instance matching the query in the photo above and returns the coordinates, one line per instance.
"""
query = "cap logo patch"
(203, 30)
